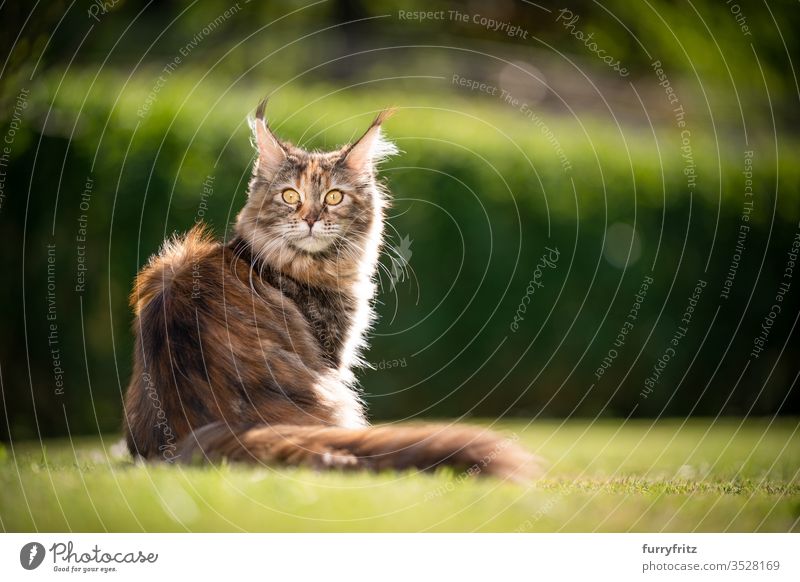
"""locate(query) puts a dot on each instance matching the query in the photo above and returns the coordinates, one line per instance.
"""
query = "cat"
(245, 350)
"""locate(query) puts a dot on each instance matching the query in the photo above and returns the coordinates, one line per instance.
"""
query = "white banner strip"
(401, 557)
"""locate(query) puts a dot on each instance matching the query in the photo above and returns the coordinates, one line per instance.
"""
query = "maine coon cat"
(245, 350)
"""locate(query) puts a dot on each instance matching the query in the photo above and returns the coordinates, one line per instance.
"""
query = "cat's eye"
(291, 196)
(333, 197)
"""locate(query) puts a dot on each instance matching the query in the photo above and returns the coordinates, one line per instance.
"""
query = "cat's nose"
(310, 220)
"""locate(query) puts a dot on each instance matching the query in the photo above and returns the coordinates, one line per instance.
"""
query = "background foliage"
(480, 193)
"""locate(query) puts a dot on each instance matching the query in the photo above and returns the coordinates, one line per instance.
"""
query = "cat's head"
(309, 207)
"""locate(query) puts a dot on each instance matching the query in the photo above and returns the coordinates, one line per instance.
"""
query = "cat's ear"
(271, 152)
(365, 154)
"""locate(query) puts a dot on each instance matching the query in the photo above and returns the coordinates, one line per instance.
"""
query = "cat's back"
(198, 288)
(184, 270)
(215, 342)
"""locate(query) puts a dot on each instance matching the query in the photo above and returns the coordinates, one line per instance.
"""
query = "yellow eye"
(291, 196)
(333, 197)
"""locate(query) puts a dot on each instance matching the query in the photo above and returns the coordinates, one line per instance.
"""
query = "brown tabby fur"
(245, 350)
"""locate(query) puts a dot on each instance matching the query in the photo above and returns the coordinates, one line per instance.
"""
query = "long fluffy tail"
(477, 451)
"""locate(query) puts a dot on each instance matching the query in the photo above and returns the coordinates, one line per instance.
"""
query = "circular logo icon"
(31, 555)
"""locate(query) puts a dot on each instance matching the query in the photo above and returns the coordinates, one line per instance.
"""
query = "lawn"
(609, 475)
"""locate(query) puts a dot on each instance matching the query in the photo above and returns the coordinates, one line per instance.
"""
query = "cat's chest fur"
(329, 313)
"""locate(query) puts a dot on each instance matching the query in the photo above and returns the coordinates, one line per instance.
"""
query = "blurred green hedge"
(480, 193)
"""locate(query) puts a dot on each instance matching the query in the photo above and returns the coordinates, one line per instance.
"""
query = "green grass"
(726, 475)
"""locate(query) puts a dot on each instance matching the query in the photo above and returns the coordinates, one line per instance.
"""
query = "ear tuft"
(262, 107)
(372, 148)
(271, 152)
(384, 115)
